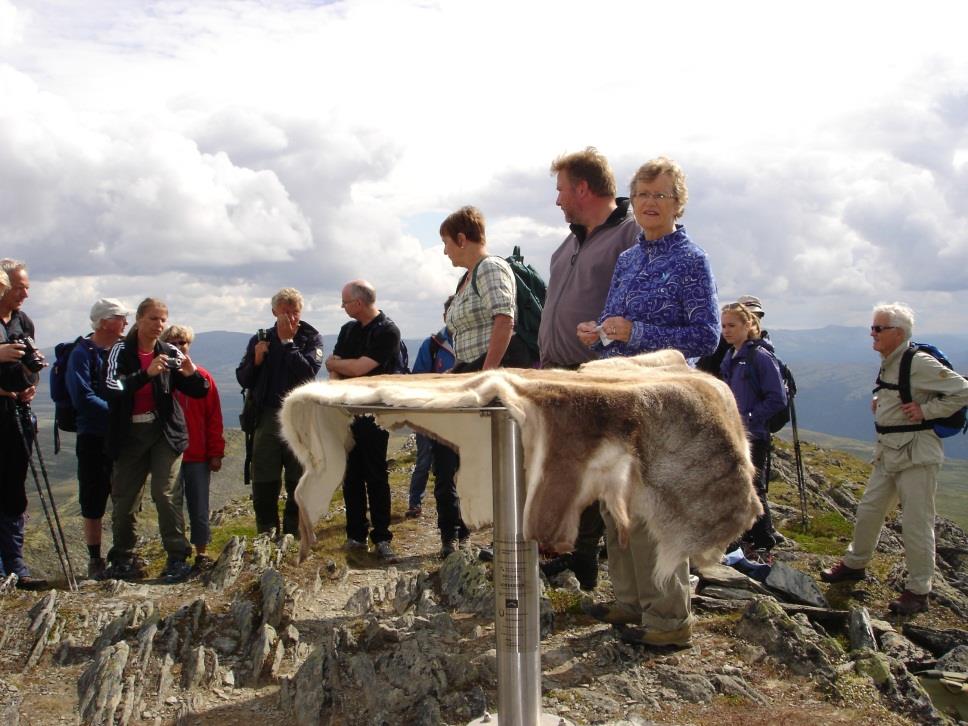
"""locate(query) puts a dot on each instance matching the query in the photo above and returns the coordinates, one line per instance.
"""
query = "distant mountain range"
(834, 368)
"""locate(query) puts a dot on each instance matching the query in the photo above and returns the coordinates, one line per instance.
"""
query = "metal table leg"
(516, 588)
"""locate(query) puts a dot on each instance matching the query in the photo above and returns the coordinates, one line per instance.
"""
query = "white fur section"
(320, 437)
(470, 433)
(608, 477)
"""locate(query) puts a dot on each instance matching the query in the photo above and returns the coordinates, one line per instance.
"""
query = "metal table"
(516, 581)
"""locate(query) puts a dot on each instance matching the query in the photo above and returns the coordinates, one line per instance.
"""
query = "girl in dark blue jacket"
(753, 374)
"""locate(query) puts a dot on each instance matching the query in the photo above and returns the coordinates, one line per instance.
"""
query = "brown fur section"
(691, 476)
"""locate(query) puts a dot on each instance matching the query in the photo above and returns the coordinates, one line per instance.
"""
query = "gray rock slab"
(100, 687)
(725, 576)
(955, 660)
(795, 585)
(728, 593)
(860, 630)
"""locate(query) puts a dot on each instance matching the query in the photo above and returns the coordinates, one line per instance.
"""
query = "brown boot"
(841, 573)
(909, 603)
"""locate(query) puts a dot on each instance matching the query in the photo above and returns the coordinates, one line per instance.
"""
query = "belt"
(144, 417)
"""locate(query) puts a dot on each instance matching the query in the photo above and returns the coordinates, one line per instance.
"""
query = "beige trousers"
(630, 569)
(914, 488)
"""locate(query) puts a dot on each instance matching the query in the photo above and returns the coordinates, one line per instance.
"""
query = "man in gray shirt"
(602, 227)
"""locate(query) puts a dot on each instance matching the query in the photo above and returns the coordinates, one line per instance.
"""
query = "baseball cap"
(753, 303)
(107, 307)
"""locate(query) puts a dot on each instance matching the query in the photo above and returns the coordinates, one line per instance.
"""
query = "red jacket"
(204, 419)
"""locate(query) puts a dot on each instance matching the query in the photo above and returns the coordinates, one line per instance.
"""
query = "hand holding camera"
(31, 358)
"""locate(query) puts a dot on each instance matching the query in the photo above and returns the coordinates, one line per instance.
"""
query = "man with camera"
(277, 360)
(20, 362)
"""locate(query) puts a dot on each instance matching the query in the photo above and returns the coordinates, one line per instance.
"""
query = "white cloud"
(220, 150)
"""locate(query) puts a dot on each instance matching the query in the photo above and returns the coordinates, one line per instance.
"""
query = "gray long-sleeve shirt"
(581, 272)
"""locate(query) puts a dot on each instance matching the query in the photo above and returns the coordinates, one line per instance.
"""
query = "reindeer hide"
(651, 438)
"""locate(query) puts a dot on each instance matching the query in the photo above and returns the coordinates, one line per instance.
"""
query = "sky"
(209, 153)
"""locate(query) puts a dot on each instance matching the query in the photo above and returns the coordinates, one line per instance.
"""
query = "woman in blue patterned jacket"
(662, 296)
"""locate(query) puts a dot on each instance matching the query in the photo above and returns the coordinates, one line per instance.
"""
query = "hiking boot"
(351, 545)
(129, 569)
(26, 582)
(486, 554)
(778, 539)
(556, 565)
(413, 512)
(203, 563)
(613, 613)
(641, 635)
(176, 571)
(909, 603)
(384, 551)
(95, 568)
(841, 573)
(447, 548)
(585, 568)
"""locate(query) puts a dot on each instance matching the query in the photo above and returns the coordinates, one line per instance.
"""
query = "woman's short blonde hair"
(178, 332)
(747, 316)
(651, 170)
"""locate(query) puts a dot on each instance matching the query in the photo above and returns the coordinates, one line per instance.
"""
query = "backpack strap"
(903, 387)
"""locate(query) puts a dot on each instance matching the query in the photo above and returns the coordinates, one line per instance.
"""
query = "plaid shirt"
(471, 314)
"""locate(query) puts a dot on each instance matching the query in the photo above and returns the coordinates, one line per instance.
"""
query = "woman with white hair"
(206, 448)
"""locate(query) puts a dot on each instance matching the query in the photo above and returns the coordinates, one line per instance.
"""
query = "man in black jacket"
(277, 360)
(368, 345)
(17, 388)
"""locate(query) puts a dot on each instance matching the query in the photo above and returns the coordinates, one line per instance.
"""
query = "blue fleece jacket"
(665, 287)
(756, 405)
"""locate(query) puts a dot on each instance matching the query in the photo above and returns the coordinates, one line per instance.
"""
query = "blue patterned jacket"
(665, 287)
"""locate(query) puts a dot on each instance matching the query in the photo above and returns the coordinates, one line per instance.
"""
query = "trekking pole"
(798, 456)
(24, 419)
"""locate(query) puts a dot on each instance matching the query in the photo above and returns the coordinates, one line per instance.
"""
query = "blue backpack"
(943, 427)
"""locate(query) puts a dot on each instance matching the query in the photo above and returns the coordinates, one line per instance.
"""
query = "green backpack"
(529, 302)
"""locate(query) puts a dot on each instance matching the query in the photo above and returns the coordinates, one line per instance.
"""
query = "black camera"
(261, 334)
(33, 359)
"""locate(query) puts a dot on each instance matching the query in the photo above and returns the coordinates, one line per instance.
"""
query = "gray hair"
(10, 266)
(363, 291)
(4, 282)
(289, 296)
(900, 314)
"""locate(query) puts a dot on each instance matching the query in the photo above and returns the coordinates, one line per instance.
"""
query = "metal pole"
(516, 587)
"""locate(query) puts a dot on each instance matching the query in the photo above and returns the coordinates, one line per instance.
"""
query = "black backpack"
(943, 427)
(529, 300)
(781, 418)
(65, 416)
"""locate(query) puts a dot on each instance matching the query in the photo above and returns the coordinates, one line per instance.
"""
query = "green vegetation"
(826, 535)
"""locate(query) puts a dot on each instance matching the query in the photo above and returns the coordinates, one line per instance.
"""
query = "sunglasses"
(882, 328)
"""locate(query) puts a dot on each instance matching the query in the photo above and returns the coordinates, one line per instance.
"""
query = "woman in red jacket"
(206, 447)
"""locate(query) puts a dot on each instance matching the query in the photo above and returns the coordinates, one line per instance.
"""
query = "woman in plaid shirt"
(481, 321)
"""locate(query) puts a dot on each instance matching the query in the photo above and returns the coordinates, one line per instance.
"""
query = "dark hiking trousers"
(366, 482)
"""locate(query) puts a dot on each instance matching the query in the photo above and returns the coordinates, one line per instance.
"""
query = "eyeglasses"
(658, 196)
(344, 303)
(882, 328)
(178, 342)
